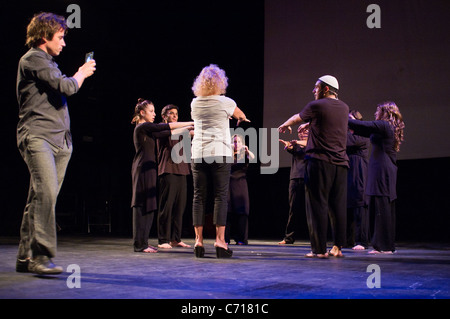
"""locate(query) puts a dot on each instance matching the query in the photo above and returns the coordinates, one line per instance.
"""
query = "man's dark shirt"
(165, 161)
(327, 138)
(41, 93)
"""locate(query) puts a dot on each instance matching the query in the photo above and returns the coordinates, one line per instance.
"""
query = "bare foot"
(150, 249)
(165, 246)
(387, 252)
(283, 242)
(359, 247)
(313, 255)
(336, 252)
(180, 244)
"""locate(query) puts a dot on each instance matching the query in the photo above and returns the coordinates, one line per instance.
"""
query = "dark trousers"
(238, 211)
(326, 196)
(142, 223)
(296, 208)
(383, 212)
(47, 166)
(215, 176)
(358, 226)
(172, 204)
(237, 228)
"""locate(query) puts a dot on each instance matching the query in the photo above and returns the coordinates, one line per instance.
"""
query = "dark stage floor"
(109, 269)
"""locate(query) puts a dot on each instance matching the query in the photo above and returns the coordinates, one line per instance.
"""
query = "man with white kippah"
(326, 165)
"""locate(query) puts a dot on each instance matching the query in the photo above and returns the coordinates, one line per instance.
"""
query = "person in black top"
(326, 166)
(296, 182)
(357, 211)
(238, 198)
(43, 137)
(144, 170)
(173, 167)
(386, 135)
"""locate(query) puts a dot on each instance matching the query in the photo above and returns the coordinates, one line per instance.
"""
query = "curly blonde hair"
(211, 81)
(389, 111)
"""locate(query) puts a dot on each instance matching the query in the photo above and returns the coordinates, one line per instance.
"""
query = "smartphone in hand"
(89, 56)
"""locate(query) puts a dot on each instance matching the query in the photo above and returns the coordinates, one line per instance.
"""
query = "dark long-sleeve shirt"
(41, 91)
(297, 162)
(358, 155)
(144, 170)
(327, 131)
(166, 164)
(382, 174)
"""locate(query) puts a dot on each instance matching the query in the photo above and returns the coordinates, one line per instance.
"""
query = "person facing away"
(144, 170)
(211, 153)
(296, 183)
(326, 166)
(172, 186)
(386, 135)
(43, 137)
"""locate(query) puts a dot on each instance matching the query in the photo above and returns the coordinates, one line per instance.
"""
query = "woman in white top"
(212, 153)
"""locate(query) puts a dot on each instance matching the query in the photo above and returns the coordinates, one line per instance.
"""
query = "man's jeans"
(47, 166)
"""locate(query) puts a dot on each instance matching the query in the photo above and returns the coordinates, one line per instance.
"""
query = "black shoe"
(22, 265)
(199, 251)
(42, 265)
(223, 253)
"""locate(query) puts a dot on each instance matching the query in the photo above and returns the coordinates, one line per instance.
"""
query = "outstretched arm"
(175, 125)
(240, 116)
(293, 120)
(287, 145)
(183, 129)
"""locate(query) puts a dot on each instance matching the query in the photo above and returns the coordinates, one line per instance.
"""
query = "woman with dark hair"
(144, 170)
(386, 135)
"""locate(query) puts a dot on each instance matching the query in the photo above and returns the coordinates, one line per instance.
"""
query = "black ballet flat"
(223, 253)
(199, 251)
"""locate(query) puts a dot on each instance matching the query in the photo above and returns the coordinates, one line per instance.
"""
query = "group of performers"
(45, 143)
(333, 140)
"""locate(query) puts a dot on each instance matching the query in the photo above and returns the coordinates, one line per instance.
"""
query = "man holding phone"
(43, 137)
